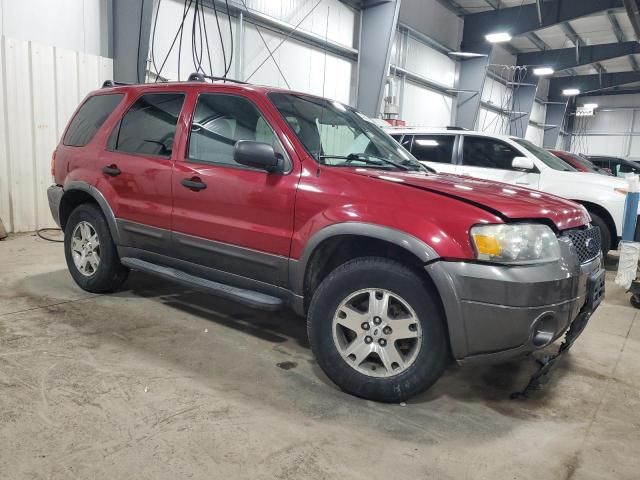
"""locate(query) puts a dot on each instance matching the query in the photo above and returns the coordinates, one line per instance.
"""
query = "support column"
(471, 78)
(522, 105)
(130, 32)
(378, 22)
(553, 121)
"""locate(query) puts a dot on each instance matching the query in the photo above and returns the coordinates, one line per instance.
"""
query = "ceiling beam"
(524, 18)
(633, 10)
(590, 83)
(565, 58)
(616, 26)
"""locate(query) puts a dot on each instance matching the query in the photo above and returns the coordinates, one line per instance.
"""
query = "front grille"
(586, 241)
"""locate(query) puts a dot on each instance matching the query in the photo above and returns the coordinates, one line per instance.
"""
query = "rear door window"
(90, 117)
(488, 153)
(149, 126)
(433, 148)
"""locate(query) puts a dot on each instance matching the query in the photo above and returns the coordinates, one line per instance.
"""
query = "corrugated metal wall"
(40, 88)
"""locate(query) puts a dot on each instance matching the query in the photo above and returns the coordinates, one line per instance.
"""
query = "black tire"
(605, 233)
(374, 272)
(110, 273)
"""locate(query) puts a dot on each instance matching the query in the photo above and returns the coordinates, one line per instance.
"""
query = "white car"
(517, 161)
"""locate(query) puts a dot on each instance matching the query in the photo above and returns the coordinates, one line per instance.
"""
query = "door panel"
(490, 159)
(242, 221)
(136, 170)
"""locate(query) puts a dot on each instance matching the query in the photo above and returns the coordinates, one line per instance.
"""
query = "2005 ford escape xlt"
(274, 198)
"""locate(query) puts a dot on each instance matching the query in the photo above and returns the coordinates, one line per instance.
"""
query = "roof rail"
(453, 127)
(200, 77)
(112, 83)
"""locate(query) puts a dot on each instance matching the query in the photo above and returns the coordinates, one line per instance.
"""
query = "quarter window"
(219, 121)
(90, 117)
(433, 148)
(488, 153)
(149, 126)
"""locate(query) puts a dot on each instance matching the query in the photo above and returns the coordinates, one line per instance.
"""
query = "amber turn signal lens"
(487, 245)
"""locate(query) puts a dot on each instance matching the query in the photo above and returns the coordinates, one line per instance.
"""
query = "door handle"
(193, 183)
(111, 170)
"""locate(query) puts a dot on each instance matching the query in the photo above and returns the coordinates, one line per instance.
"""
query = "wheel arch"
(77, 193)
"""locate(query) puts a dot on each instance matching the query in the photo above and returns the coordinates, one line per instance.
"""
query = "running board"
(247, 297)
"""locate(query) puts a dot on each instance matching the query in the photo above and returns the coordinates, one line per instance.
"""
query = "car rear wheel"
(377, 331)
(605, 233)
(90, 252)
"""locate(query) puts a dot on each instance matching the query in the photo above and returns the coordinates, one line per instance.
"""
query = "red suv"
(273, 198)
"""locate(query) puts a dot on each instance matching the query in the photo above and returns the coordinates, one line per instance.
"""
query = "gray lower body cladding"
(494, 312)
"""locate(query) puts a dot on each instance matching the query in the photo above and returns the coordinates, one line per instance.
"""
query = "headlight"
(515, 244)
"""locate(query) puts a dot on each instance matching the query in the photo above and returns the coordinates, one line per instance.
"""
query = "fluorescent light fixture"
(570, 92)
(543, 71)
(498, 37)
(590, 105)
(427, 143)
(467, 54)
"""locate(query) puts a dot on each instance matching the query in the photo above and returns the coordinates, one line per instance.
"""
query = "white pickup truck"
(517, 161)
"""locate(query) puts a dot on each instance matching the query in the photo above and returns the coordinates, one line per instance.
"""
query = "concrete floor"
(160, 382)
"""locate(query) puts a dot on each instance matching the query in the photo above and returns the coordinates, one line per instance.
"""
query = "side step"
(247, 297)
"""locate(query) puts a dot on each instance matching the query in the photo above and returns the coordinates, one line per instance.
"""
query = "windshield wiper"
(368, 159)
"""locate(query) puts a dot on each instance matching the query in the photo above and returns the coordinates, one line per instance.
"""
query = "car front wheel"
(377, 331)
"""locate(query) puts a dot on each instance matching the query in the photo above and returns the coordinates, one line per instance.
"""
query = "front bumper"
(54, 195)
(496, 312)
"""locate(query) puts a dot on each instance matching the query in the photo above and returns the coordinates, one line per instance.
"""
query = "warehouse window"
(221, 120)
(90, 117)
(433, 148)
(149, 126)
(488, 153)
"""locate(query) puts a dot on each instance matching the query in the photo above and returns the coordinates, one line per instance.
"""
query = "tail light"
(53, 163)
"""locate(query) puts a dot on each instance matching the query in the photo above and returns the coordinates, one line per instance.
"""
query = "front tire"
(377, 330)
(90, 252)
(605, 233)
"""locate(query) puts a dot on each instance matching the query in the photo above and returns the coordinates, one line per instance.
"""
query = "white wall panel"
(80, 25)
(600, 145)
(495, 92)
(42, 86)
(429, 63)
(434, 19)
(424, 107)
(492, 122)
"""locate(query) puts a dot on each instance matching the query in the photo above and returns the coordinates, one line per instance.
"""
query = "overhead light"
(426, 143)
(498, 37)
(467, 54)
(543, 71)
(590, 105)
(571, 92)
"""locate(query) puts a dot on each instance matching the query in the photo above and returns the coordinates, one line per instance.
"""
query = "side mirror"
(523, 163)
(258, 155)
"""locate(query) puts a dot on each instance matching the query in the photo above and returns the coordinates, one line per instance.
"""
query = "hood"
(597, 180)
(504, 200)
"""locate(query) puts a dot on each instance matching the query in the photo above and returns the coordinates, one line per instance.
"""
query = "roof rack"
(112, 83)
(200, 77)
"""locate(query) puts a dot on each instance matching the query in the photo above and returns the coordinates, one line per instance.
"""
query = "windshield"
(549, 159)
(584, 162)
(337, 135)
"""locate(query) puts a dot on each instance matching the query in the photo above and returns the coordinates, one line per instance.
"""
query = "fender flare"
(298, 268)
(102, 203)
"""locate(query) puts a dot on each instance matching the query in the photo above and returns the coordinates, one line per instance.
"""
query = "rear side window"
(149, 126)
(90, 118)
(433, 148)
(488, 153)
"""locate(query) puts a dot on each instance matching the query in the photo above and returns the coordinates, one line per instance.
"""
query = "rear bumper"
(495, 312)
(54, 195)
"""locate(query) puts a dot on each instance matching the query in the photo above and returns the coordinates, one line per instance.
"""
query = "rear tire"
(605, 233)
(402, 354)
(90, 252)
